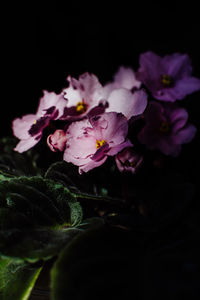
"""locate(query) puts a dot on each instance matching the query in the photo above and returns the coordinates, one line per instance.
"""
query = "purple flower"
(57, 141)
(128, 160)
(82, 95)
(91, 141)
(168, 78)
(121, 98)
(29, 128)
(166, 128)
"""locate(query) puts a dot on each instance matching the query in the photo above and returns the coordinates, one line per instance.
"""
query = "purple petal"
(117, 129)
(186, 86)
(150, 66)
(118, 148)
(177, 65)
(178, 118)
(185, 135)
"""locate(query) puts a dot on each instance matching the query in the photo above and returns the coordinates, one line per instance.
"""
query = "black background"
(43, 45)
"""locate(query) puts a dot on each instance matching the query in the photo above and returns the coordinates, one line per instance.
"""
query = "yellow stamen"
(81, 107)
(166, 80)
(35, 122)
(164, 127)
(100, 143)
(127, 163)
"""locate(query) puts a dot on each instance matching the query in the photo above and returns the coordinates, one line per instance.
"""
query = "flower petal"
(128, 103)
(25, 145)
(22, 125)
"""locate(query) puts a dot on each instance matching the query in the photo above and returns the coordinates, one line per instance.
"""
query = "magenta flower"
(57, 141)
(166, 128)
(29, 128)
(128, 160)
(82, 95)
(91, 141)
(168, 78)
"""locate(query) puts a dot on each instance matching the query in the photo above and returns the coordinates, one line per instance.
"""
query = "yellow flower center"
(81, 107)
(100, 143)
(35, 121)
(166, 80)
(127, 163)
(164, 127)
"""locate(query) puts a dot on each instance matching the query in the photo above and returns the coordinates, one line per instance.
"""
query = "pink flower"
(128, 103)
(121, 98)
(57, 141)
(91, 141)
(169, 78)
(29, 128)
(166, 128)
(124, 78)
(82, 95)
(128, 160)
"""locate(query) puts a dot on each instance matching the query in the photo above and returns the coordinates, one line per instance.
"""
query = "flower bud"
(57, 141)
(128, 160)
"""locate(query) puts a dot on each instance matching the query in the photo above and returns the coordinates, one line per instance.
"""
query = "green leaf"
(97, 264)
(17, 279)
(93, 182)
(37, 217)
(13, 163)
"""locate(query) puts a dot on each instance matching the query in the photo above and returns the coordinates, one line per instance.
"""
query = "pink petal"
(91, 165)
(50, 99)
(128, 103)
(118, 148)
(21, 126)
(117, 128)
(25, 145)
(125, 78)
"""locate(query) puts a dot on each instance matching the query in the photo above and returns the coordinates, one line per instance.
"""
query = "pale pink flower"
(28, 129)
(124, 78)
(91, 141)
(123, 94)
(82, 96)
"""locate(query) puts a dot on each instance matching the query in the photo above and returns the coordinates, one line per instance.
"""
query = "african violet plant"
(113, 147)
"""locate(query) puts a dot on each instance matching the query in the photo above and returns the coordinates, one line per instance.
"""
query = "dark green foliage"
(17, 279)
(36, 217)
(102, 181)
(97, 265)
(13, 163)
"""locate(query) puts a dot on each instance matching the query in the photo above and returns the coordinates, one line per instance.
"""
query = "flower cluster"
(96, 118)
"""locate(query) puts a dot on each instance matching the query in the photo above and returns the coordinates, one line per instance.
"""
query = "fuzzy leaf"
(97, 264)
(17, 279)
(37, 217)
(13, 163)
(92, 182)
